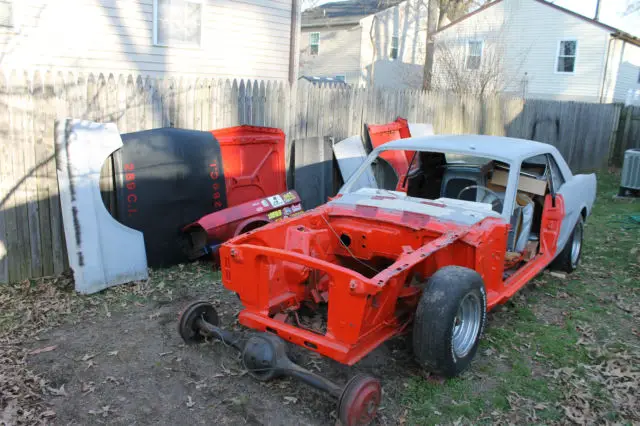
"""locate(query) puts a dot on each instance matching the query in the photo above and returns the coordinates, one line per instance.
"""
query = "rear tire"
(569, 258)
(449, 321)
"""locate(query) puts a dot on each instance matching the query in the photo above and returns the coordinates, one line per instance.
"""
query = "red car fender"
(220, 226)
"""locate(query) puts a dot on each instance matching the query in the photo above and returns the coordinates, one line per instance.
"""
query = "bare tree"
(374, 51)
(633, 6)
(438, 10)
(482, 72)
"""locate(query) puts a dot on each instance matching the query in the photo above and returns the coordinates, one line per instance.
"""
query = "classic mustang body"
(463, 227)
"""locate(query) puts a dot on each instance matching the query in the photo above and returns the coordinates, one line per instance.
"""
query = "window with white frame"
(567, 53)
(395, 42)
(6, 14)
(177, 22)
(474, 54)
(314, 43)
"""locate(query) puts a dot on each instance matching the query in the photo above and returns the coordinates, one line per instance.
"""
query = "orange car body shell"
(300, 260)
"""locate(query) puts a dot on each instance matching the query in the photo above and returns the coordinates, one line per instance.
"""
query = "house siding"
(627, 72)
(348, 49)
(112, 36)
(339, 52)
(529, 33)
(407, 21)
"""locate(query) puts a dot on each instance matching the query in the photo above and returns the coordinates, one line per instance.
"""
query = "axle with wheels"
(264, 355)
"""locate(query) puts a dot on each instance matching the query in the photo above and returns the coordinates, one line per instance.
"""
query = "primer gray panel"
(102, 252)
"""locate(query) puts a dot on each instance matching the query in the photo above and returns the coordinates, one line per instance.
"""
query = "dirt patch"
(130, 366)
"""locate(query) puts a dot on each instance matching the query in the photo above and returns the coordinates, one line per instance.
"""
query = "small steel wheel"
(360, 400)
(466, 324)
(187, 321)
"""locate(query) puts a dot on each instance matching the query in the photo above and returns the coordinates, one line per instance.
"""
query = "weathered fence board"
(628, 135)
(31, 236)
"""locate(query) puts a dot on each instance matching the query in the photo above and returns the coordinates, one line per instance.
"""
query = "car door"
(570, 192)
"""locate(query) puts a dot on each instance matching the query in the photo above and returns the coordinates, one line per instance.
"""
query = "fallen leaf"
(41, 350)
(190, 402)
(290, 399)
(104, 411)
(113, 353)
(48, 413)
(57, 392)
(87, 387)
(403, 417)
(87, 357)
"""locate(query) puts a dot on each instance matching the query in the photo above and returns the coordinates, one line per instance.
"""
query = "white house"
(211, 38)
(536, 49)
(336, 42)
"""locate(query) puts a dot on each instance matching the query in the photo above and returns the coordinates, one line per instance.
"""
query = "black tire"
(567, 261)
(451, 291)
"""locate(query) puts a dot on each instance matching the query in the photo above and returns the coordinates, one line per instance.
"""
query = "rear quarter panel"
(579, 194)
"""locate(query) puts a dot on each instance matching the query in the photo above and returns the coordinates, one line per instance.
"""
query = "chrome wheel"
(466, 325)
(576, 244)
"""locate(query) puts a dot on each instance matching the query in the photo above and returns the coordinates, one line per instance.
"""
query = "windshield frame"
(510, 196)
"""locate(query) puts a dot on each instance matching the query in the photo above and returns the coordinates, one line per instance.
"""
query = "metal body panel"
(350, 154)
(102, 252)
(579, 194)
(421, 129)
(253, 159)
(458, 211)
(314, 170)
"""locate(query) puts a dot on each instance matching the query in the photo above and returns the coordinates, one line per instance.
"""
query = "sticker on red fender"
(274, 214)
(276, 200)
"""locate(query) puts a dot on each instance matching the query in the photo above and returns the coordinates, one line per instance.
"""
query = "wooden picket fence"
(31, 235)
(628, 135)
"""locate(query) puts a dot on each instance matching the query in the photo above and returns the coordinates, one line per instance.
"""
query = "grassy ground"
(565, 349)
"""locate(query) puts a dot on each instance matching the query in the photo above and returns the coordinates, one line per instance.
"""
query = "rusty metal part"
(359, 400)
(187, 327)
(264, 355)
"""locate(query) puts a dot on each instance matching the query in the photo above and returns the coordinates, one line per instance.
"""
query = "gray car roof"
(494, 147)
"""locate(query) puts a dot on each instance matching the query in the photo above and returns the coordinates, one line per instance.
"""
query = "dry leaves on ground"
(610, 386)
(25, 310)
